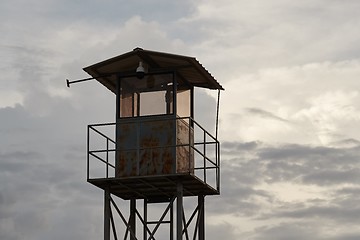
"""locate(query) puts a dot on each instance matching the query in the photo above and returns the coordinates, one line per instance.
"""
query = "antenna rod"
(126, 74)
(68, 82)
(217, 114)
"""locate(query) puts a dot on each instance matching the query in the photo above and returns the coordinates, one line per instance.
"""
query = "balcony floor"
(154, 188)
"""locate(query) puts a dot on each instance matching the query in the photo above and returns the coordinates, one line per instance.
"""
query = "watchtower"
(155, 155)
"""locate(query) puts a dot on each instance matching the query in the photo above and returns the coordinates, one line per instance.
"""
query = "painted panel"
(157, 155)
(154, 147)
(184, 151)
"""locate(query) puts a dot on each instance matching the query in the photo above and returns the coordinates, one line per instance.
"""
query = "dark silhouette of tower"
(155, 157)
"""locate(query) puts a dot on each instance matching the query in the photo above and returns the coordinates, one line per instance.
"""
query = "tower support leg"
(179, 211)
(201, 205)
(173, 216)
(107, 214)
(132, 221)
(145, 219)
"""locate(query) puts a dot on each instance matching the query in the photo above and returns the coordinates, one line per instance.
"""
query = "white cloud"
(282, 189)
(332, 113)
(10, 98)
(247, 35)
(319, 102)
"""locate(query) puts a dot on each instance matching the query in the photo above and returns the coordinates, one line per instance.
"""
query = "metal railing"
(203, 153)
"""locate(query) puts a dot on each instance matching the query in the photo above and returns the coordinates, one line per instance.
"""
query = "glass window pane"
(183, 103)
(151, 95)
(152, 103)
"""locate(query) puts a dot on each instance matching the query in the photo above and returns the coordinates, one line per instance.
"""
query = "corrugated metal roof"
(188, 68)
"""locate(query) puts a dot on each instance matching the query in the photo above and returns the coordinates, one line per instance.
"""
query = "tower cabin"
(155, 142)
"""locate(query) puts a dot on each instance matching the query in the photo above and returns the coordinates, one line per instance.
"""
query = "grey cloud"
(350, 143)
(297, 151)
(42, 175)
(287, 230)
(27, 51)
(237, 147)
(247, 165)
(333, 210)
(221, 231)
(299, 230)
(109, 12)
(329, 177)
(346, 197)
(264, 114)
(287, 162)
(267, 32)
(317, 165)
(349, 191)
(347, 214)
(238, 200)
(20, 155)
(346, 236)
(58, 13)
(238, 195)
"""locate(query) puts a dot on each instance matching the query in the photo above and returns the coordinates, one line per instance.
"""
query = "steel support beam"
(107, 214)
(178, 224)
(132, 221)
(201, 205)
(117, 128)
(179, 210)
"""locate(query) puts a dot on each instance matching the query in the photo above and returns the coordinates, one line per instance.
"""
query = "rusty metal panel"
(127, 145)
(154, 147)
(157, 154)
(127, 137)
(157, 161)
(184, 150)
(127, 164)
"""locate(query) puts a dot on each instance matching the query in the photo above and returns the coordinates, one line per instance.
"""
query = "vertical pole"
(192, 103)
(174, 94)
(179, 209)
(88, 154)
(168, 101)
(132, 222)
(117, 127)
(217, 115)
(172, 221)
(133, 104)
(107, 214)
(145, 219)
(175, 126)
(137, 104)
(201, 205)
(217, 144)
(218, 166)
(107, 158)
(204, 160)
(118, 97)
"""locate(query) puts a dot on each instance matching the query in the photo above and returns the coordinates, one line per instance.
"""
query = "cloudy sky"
(289, 114)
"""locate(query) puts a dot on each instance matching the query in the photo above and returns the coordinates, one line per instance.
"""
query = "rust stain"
(154, 153)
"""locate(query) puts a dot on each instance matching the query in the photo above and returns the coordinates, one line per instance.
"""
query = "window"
(151, 95)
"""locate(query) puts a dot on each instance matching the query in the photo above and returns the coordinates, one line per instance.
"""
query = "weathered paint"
(154, 147)
(184, 151)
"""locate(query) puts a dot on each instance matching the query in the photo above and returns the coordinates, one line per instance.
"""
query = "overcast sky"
(289, 116)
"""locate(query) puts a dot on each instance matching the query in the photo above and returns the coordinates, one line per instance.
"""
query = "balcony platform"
(154, 188)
